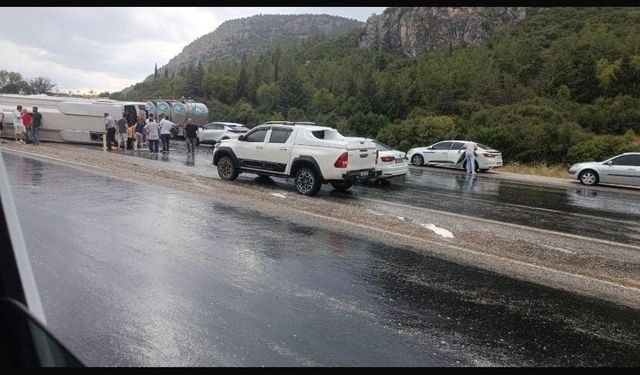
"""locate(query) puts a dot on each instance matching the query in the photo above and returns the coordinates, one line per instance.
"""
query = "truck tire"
(307, 181)
(226, 169)
(341, 186)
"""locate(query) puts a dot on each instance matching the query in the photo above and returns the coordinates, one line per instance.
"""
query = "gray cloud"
(116, 46)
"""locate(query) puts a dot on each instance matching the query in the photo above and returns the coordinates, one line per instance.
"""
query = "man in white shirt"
(153, 134)
(17, 124)
(165, 132)
(470, 155)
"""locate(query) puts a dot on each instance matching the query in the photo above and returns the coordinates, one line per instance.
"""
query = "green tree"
(293, 89)
(243, 80)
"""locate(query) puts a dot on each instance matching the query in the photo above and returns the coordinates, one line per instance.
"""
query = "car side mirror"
(241, 138)
(429, 148)
(608, 163)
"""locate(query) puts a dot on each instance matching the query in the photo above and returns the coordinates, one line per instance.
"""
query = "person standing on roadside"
(26, 121)
(110, 125)
(36, 123)
(165, 132)
(470, 156)
(139, 132)
(122, 132)
(153, 135)
(130, 129)
(191, 130)
(17, 124)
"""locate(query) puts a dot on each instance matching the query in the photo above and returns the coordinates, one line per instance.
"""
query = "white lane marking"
(558, 249)
(374, 212)
(401, 218)
(279, 195)
(533, 229)
(439, 231)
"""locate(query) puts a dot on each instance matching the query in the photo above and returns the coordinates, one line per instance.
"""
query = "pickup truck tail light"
(388, 158)
(342, 161)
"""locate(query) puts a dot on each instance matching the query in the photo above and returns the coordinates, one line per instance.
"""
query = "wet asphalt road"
(132, 274)
(611, 214)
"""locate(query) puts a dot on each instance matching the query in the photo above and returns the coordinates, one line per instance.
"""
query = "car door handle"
(283, 149)
(259, 147)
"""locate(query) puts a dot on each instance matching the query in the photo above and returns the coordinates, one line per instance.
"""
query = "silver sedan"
(623, 169)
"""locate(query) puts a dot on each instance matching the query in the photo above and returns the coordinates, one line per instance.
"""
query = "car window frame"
(612, 161)
(277, 128)
(433, 146)
(255, 130)
(463, 145)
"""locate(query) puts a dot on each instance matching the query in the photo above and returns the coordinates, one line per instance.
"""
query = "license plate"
(364, 174)
(399, 160)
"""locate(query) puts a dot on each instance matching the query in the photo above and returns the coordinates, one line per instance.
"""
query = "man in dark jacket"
(191, 130)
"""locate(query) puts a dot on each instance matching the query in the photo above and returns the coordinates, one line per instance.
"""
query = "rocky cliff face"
(414, 30)
(254, 35)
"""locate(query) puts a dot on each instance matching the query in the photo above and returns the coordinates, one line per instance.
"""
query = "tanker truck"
(66, 119)
(178, 111)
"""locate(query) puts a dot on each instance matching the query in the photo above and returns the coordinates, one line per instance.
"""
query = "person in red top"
(26, 121)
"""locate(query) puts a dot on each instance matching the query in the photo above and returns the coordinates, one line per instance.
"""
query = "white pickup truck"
(312, 155)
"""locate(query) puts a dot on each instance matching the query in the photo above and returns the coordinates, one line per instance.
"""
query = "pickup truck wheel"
(226, 170)
(307, 181)
(341, 185)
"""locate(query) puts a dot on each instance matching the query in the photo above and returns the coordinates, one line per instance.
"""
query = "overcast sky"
(112, 48)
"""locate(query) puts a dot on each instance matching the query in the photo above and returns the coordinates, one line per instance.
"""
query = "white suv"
(312, 155)
(214, 132)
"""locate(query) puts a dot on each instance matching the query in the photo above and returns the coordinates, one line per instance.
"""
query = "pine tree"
(276, 60)
(155, 71)
(243, 80)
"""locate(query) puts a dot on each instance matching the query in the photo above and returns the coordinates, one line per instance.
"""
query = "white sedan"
(214, 132)
(390, 162)
(452, 154)
(623, 169)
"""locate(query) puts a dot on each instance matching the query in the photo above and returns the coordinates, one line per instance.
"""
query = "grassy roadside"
(538, 169)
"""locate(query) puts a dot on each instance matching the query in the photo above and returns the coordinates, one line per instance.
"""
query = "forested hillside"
(561, 85)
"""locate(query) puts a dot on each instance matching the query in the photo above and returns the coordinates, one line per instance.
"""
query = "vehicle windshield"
(484, 147)
(382, 147)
